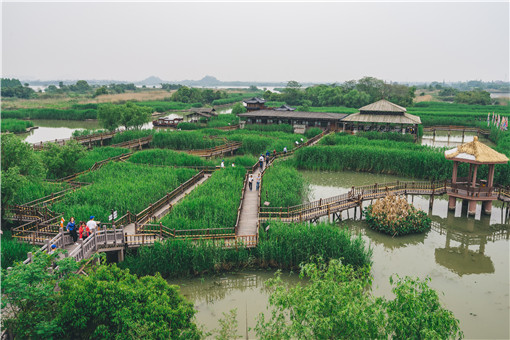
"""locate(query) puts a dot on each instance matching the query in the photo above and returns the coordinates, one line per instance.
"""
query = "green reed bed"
(288, 245)
(62, 114)
(122, 187)
(284, 246)
(15, 125)
(394, 136)
(12, 250)
(98, 154)
(184, 140)
(270, 127)
(175, 158)
(87, 132)
(363, 140)
(223, 120)
(283, 185)
(33, 189)
(257, 142)
(211, 205)
(128, 135)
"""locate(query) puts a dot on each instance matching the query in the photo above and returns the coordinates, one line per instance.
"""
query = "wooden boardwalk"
(249, 212)
(83, 140)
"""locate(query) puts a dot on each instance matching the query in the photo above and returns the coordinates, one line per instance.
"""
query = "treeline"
(13, 88)
(191, 95)
(354, 93)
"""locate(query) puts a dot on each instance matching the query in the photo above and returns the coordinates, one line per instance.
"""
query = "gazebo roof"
(475, 152)
(383, 106)
(255, 100)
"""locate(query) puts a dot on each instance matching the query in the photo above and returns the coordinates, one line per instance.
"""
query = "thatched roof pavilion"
(382, 112)
(475, 153)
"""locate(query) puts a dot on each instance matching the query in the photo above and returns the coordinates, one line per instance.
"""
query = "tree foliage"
(62, 160)
(336, 303)
(128, 115)
(238, 108)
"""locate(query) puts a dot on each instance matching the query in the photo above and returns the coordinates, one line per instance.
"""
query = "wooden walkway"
(229, 147)
(83, 140)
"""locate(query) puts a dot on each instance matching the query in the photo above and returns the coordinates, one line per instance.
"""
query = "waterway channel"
(466, 258)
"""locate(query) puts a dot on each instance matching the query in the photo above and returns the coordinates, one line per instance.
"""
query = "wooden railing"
(133, 143)
(456, 128)
(80, 139)
(217, 150)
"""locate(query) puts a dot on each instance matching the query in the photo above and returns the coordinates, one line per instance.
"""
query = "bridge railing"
(217, 150)
(133, 142)
(80, 139)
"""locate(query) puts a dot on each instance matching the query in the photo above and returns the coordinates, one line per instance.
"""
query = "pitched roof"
(203, 109)
(383, 106)
(405, 118)
(293, 115)
(475, 152)
(285, 108)
(255, 100)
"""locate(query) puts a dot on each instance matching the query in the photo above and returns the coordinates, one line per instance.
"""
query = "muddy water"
(245, 291)
(466, 258)
(443, 140)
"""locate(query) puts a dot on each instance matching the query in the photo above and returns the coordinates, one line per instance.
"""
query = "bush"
(394, 216)
(13, 250)
(15, 125)
(312, 132)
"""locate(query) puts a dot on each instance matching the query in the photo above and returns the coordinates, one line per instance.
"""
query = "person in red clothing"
(84, 231)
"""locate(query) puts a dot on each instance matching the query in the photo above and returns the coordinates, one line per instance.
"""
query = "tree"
(100, 91)
(29, 299)
(82, 86)
(111, 303)
(62, 160)
(135, 116)
(109, 116)
(238, 108)
(336, 303)
(17, 153)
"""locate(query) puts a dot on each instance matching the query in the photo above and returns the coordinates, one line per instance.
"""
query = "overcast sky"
(317, 42)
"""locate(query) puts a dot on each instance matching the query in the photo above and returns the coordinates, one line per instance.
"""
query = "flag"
(62, 222)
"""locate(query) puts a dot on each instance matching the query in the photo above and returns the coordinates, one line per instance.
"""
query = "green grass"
(34, 189)
(12, 250)
(120, 186)
(211, 205)
(283, 185)
(15, 125)
(98, 154)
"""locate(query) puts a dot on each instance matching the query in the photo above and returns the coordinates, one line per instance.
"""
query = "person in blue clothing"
(71, 227)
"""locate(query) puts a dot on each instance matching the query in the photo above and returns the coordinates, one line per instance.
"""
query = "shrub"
(394, 216)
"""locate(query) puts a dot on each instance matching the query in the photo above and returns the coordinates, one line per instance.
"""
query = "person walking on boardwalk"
(222, 165)
(258, 181)
(250, 181)
(274, 153)
(285, 150)
(71, 227)
(84, 231)
(261, 162)
(91, 224)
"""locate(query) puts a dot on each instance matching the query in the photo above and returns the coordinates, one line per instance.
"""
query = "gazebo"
(382, 116)
(470, 188)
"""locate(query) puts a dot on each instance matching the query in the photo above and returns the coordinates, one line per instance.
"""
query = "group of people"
(222, 165)
(83, 231)
(250, 182)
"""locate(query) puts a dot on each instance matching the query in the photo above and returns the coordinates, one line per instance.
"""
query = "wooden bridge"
(83, 140)
(229, 147)
(134, 144)
(334, 206)
(462, 129)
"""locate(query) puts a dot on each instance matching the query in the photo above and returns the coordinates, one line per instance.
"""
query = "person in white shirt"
(284, 149)
(250, 181)
(261, 161)
(222, 164)
(92, 224)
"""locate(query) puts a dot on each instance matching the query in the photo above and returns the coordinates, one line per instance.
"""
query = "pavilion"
(469, 188)
(255, 104)
(382, 116)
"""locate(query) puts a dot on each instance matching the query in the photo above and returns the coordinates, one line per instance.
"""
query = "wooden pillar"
(472, 207)
(455, 169)
(470, 172)
(490, 176)
(473, 184)
(451, 203)
(487, 207)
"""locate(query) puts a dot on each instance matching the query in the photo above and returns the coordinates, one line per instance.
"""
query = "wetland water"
(466, 258)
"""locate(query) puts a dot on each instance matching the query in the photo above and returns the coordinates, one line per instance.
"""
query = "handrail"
(135, 142)
(79, 139)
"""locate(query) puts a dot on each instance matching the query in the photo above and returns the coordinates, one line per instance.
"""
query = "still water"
(443, 140)
(466, 258)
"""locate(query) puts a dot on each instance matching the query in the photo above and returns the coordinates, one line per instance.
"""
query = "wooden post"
(160, 229)
(105, 236)
(29, 255)
(47, 245)
(114, 235)
(81, 250)
(95, 240)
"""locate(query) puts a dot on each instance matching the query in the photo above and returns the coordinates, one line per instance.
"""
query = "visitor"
(233, 164)
(297, 143)
(71, 227)
(261, 162)
(222, 165)
(258, 181)
(285, 150)
(91, 224)
(250, 181)
(52, 249)
(274, 153)
(84, 231)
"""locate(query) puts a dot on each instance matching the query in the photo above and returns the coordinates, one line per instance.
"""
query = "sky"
(256, 41)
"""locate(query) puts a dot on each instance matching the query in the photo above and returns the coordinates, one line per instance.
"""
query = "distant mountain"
(152, 80)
